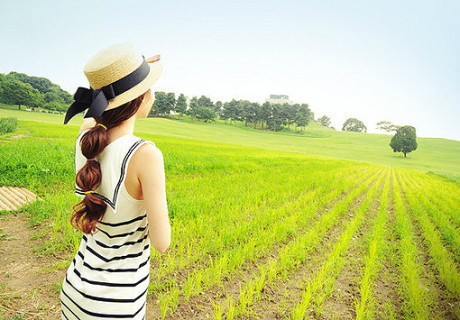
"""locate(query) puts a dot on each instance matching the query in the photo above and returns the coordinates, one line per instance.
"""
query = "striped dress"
(109, 276)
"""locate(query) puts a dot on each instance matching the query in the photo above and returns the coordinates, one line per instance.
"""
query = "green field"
(440, 156)
(326, 225)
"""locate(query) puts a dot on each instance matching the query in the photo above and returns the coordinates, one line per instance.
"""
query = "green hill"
(436, 155)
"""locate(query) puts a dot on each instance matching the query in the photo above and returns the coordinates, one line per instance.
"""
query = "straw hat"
(117, 74)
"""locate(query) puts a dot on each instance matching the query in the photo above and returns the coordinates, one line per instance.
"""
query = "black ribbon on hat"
(96, 101)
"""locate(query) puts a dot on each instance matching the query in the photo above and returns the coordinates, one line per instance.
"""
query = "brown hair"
(92, 208)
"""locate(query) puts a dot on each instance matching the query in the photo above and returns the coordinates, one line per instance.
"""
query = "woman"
(121, 181)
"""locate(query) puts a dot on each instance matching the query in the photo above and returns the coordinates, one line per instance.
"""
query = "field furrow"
(336, 297)
(446, 227)
(440, 267)
(320, 285)
(382, 292)
(252, 210)
(416, 283)
(295, 214)
(289, 259)
(203, 279)
(365, 306)
(443, 195)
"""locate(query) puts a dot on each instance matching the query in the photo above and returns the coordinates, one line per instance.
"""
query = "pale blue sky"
(372, 60)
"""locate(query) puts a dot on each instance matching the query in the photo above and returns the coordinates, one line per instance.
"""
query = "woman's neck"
(124, 128)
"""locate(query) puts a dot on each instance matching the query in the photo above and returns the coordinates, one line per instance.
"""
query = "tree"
(164, 103)
(387, 126)
(52, 91)
(405, 140)
(206, 102)
(56, 106)
(276, 119)
(353, 124)
(265, 113)
(249, 112)
(158, 103)
(303, 116)
(193, 107)
(17, 92)
(170, 101)
(301, 121)
(232, 110)
(205, 114)
(181, 104)
(325, 121)
(289, 112)
(218, 107)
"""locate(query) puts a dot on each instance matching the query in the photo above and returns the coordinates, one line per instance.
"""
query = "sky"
(372, 60)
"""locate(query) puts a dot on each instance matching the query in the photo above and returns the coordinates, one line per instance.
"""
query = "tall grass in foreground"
(8, 125)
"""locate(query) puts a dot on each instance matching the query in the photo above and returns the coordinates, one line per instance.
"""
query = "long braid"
(89, 211)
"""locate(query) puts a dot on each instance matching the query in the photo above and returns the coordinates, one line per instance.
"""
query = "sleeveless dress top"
(109, 276)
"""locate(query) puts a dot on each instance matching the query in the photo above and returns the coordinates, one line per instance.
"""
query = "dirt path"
(29, 284)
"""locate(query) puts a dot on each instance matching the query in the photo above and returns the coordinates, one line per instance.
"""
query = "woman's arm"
(152, 179)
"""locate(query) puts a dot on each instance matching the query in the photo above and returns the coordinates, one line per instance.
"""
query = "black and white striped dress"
(109, 276)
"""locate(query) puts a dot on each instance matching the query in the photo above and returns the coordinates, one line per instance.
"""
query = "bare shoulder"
(149, 151)
(147, 158)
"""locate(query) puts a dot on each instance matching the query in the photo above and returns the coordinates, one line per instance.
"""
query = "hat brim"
(156, 70)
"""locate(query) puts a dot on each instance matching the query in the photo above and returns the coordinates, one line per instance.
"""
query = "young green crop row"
(255, 214)
(449, 231)
(443, 260)
(415, 208)
(289, 220)
(419, 302)
(320, 286)
(365, 304)
(412, 211)
(443, 195)
(289, 258)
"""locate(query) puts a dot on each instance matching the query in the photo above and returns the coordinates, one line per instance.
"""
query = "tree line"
(21, 89)
(36, 92)
(266, 116)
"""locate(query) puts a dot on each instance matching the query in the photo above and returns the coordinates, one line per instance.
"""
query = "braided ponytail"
(88, 212)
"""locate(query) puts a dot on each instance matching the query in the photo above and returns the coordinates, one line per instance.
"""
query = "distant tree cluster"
(21, 89)
(267, 115)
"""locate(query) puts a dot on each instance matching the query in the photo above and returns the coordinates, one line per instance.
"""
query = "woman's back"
(110, 272)
(109, 276)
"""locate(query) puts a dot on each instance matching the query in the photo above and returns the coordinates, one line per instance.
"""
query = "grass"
(436, 155)
(248, 208)
(8, 125)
